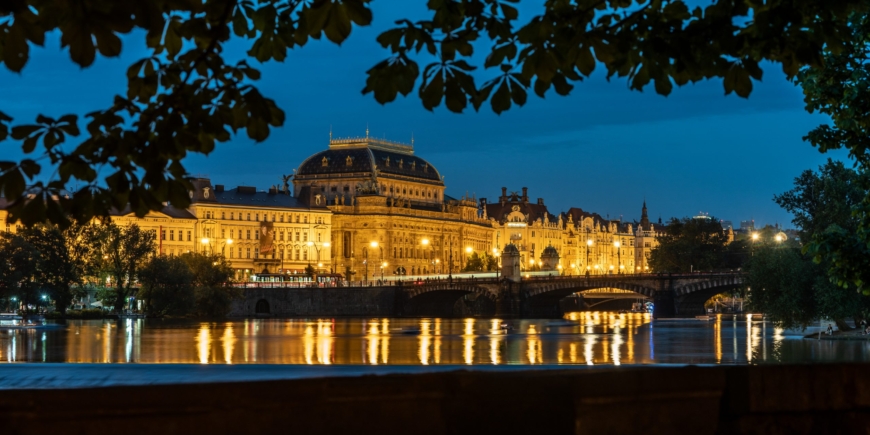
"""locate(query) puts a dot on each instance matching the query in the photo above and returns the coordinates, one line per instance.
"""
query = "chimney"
(525, 194)
(540, 201)
(218, 187)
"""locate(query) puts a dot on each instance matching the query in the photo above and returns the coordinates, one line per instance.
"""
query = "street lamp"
(468, 252)
(497, 256)
(588, 245)
(204, 241)
(372, 244)
(425, 242)
(618, 255)
(383, 266)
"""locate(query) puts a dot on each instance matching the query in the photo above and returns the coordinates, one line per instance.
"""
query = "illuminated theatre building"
(261, 231)
(390, 213)
(256, 231)
(570, 243)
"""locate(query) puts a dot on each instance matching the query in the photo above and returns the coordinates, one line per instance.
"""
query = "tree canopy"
(840, 88)
(786, 284)
(185, 98)
(693, 244)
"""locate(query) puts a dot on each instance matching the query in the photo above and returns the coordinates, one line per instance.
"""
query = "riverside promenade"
(769, 399)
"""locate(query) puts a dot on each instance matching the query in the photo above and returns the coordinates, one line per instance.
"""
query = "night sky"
(604, 148)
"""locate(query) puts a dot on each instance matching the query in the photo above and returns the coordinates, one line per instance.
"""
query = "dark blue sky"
(604, 148)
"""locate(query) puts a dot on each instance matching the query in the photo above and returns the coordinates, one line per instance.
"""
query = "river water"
(587, 338)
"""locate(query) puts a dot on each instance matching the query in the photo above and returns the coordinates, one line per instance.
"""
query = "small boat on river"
(408, 330)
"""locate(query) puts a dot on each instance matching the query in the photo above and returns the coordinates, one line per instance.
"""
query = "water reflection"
(587, 338)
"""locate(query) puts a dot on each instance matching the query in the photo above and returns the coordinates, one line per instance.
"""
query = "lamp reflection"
(203, 340)
(228, 341)
(468, 342)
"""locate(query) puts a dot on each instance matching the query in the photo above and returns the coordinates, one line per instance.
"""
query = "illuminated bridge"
(674, 295)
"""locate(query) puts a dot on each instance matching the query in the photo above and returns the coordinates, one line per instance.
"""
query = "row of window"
(209, 214)
(172, 235)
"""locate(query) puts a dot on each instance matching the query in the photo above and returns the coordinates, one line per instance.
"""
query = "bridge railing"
(475, 280)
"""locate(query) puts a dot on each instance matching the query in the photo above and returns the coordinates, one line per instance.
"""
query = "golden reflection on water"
(591, 338)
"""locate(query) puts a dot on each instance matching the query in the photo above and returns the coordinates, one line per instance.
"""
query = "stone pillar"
(663, 300)
(510, 263)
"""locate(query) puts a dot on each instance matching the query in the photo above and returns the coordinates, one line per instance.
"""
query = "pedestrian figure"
(830, 330)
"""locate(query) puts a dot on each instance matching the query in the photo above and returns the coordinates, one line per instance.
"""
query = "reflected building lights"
(749, 343)
(227, 342)
(107, 343)
(203, 340)
(589, 350)
(128, 346)
(308, 342)
(468, 342)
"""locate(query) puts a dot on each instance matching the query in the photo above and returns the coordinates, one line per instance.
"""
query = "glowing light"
(203, 340)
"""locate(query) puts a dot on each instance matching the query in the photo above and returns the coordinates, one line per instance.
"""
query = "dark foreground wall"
(711, 400)
(339, 301)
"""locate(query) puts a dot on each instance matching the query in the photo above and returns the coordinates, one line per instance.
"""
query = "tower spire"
(644, 218)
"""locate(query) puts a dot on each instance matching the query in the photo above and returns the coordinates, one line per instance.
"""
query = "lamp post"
(468, 252)
(425, 242)
(372, 244)
(383, 266)
(618, 255)
(497, 258)
(450, 266)
(588, 245)
(204, 241)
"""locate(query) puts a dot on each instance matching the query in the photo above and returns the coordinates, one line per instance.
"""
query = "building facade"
(585, 242)
(390, 216)
(262, 231)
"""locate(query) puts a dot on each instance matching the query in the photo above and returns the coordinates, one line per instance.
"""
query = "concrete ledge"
(808, 399)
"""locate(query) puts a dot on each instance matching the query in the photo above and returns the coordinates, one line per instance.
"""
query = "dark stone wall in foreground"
(338, 301)
(807, 399)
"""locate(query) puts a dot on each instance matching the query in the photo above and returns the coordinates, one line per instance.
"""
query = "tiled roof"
(361, 160)
(167, 210)
(247, 197)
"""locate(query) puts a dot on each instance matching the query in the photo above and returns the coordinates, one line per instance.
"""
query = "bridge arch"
(542, 298)
(450, 299)
(691, 297)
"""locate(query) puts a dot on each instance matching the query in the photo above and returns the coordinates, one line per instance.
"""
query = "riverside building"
(570, 243)
(390, 215)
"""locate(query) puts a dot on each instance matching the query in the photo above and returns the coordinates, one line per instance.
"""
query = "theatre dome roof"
(357, 157)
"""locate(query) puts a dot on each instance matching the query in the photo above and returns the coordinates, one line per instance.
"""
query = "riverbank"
(840, 335)
(794, 399)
